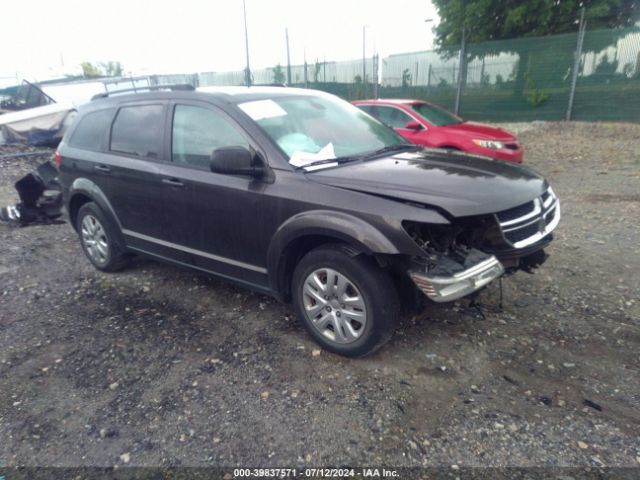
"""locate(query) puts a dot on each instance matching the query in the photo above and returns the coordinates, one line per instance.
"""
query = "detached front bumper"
(440, 286)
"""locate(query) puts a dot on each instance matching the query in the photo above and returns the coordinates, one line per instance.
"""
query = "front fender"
(326, 223)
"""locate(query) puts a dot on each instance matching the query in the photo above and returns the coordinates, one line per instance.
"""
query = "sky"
(47, 38)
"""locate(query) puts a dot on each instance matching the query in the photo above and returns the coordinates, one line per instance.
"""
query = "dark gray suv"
(300, 195)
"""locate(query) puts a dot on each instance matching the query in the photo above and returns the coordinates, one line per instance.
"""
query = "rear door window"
(137, 130)
(197, 131)
(92, 130)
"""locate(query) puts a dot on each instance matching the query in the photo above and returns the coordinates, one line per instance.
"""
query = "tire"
(347, 303)
(99, 239)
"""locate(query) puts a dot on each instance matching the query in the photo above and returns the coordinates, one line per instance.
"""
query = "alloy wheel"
(334, 305)
(95, 239)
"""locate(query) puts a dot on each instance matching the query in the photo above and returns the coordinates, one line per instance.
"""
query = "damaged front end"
(452, 267)
(465, 256)
(443, 279)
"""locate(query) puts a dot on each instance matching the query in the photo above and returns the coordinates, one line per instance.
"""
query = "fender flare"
(339, 225)
(85, 187)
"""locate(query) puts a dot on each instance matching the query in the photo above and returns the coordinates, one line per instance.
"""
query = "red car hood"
(479, 130)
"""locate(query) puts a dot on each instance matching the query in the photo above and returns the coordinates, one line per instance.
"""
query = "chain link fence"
(528, 78)
(509, 80)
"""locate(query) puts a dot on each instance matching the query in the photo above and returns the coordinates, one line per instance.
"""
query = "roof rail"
(284, 85)
(150, 88)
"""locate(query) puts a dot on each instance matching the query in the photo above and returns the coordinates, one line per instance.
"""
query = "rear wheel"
(98, 239)
(347, 303)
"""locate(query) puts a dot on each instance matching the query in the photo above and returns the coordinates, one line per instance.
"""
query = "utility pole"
(427, 20)
(576, 63)
(376, 75)
(461, 70)
(306, 77)
(364, 63)
(324, 70)
(247, 72)
(286, 32)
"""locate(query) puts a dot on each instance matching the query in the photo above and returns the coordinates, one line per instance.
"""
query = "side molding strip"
(193, 251)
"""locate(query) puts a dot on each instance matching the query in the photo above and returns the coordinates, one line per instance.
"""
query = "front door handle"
(174, 182)
(102, 168)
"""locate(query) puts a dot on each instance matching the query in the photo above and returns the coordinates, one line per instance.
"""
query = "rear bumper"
(445, 288)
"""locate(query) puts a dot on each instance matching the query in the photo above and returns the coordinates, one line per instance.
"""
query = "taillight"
(57, 159)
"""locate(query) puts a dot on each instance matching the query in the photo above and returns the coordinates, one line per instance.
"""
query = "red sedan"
(432, 126)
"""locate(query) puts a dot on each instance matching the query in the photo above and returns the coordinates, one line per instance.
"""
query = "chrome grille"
(530, 222)
(515, 212)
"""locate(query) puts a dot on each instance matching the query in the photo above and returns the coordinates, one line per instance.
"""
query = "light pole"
(462, 69)
(576, 64)
(426, 20)
(364, 62)
(286, 31)
(247, 72)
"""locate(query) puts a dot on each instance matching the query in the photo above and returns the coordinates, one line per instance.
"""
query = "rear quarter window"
(91, 130)
(137, 130)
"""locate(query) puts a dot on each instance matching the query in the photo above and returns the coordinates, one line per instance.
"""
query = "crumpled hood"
(460, 184)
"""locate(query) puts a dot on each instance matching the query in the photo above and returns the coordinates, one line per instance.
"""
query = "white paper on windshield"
(407, 155)
(260, 109)
(300, 159)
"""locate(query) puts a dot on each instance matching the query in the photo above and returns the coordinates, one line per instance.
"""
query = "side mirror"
(235, 161)
(413, 125)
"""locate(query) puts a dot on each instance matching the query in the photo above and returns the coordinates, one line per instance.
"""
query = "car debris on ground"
(40, 195)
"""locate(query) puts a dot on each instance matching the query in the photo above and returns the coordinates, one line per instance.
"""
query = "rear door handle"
(102, 168)
(174, 182)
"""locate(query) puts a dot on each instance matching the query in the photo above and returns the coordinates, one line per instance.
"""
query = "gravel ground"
(158, 366)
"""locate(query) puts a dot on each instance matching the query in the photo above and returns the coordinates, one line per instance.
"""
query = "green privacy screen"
(527, 79)
(503, 81)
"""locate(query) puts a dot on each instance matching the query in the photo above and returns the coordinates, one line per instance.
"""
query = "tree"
(109, 69)
(278, 74)
(406, 78)
(90, 70)
(316, 71)
(509, 19)
(356, 90)
(112, 69)
(606, 67)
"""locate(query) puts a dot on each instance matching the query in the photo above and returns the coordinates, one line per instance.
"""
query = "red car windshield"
(435, 115)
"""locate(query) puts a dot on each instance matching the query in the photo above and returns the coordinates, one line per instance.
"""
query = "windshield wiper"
(401, 147)
(338, 160)
(408, 147)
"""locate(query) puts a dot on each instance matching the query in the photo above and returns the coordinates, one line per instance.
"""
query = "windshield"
(313, 128)
(435, 115)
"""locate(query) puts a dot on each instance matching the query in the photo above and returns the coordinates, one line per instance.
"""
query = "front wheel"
(347, 303)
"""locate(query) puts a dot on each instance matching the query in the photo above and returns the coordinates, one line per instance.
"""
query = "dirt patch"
(614, 198)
